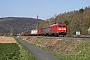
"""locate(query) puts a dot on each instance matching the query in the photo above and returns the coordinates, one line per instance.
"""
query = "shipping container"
(26, 33)
(34, 32)
(41, 31)
(46, 31)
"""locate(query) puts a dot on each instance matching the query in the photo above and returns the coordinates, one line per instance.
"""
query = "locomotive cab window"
(62, 26)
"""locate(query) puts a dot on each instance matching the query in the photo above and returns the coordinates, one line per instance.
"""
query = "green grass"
(15, 51)
(25, 54)
(9, 51)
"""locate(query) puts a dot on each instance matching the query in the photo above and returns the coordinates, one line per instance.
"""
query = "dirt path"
(39, 53)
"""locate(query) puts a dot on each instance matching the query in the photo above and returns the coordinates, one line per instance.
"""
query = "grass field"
(10, 49)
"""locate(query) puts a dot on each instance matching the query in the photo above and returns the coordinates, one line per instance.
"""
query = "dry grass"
(62, 46)
(7, 39)
(65, 49)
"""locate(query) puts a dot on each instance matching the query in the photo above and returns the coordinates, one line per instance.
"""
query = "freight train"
(53, 30)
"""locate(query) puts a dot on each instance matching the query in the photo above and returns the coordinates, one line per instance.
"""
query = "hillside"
(76, 20)
(19, 24)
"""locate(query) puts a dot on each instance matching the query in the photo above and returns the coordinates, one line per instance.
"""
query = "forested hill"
(76, 20)
(8, 24)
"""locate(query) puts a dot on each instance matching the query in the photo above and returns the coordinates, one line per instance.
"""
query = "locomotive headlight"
(59, 29)
(64, 29)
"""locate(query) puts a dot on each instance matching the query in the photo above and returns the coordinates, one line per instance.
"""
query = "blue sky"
(44, 8)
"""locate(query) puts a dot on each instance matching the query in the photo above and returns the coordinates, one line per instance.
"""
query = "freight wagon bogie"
(56, 34)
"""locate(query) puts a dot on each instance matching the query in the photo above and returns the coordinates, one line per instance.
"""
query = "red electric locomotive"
(58, 29)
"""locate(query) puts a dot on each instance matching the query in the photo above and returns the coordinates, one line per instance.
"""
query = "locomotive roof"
(53, 24)
(56, 24)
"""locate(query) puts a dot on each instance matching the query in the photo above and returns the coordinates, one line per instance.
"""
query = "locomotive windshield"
(62, 26)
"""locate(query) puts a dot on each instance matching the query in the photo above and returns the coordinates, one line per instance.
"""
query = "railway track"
(77, 38)
(67, 38)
